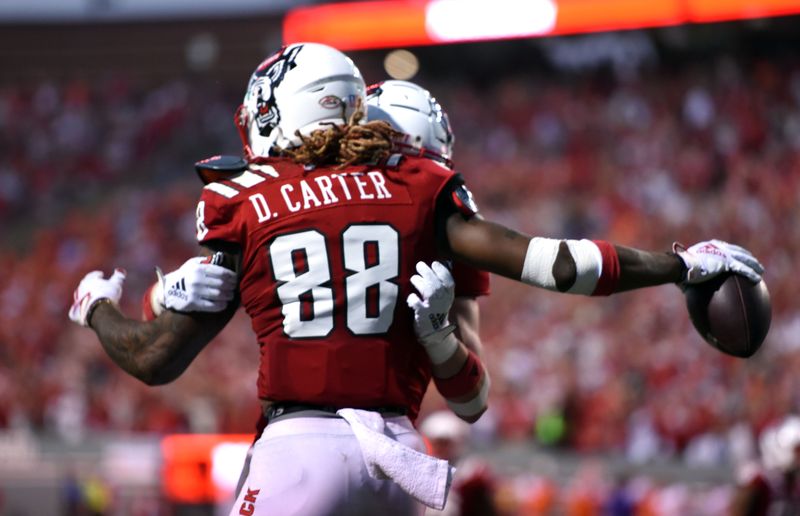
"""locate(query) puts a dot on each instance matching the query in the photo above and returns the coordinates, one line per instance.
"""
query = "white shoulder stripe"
(264, 169)
(247, 179)
(223, 190)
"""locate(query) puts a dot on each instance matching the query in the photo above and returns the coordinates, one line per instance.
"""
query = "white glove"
(710, 258)
(197, 286)
(92, 288)
(437, 288)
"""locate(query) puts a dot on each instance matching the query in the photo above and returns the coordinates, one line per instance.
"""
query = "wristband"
(464, 381)
(94, 306)
(611, 270)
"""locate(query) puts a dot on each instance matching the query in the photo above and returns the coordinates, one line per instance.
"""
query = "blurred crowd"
(97, 175)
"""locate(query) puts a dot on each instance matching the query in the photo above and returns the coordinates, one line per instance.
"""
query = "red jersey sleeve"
(455, 197)
(217, 215)
(470, 282)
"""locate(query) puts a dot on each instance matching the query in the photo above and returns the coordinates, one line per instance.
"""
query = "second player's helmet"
(412, 110)
(301, 88)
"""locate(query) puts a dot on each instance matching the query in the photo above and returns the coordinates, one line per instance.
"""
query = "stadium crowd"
(100, 175)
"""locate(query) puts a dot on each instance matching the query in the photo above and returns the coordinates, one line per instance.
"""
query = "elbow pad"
(596, 266)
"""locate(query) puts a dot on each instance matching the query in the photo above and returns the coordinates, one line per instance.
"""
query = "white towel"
(425, 478)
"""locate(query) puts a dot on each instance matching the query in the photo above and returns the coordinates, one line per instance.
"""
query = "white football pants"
(312, 466)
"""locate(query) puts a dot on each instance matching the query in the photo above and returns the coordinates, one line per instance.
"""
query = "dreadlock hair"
(347, 144)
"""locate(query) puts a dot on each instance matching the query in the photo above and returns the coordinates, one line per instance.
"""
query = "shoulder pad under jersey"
(464, 201)
(219, 167)
(394, 160)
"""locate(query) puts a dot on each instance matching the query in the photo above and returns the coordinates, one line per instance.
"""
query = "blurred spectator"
(473, 489)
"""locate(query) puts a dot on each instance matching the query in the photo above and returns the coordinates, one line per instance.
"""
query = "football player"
(426, 132)
(327, 234)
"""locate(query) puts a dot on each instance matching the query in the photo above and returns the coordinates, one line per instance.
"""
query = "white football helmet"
(302, 87)
(412, 110)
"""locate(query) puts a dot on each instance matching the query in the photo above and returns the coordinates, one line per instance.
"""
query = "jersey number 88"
(300, 262)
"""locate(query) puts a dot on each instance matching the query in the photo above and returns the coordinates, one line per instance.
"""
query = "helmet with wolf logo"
(300, 88)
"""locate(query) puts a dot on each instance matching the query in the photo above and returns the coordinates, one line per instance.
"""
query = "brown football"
(731, 313)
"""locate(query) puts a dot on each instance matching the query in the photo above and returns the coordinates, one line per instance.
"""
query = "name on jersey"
(312, 192)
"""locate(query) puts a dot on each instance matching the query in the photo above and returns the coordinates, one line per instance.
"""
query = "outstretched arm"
(158, 351)
(586, 267)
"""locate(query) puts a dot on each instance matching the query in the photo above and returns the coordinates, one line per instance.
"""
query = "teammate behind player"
(326, 249)
(426, 132)
(413, 111)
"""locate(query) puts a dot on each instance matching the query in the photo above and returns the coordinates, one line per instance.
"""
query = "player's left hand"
(436, 286)
(92, 288)
(710, 258)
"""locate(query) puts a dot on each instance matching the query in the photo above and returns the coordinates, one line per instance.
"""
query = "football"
(731, 313)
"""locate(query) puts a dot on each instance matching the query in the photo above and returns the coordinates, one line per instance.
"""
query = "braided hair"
(348, 144)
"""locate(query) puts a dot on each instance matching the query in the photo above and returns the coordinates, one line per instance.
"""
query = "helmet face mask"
(412, 110)
(301, 88)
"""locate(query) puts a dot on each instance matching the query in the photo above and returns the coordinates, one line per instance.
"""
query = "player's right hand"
(199, 285)
(93, 288)
(710, 258)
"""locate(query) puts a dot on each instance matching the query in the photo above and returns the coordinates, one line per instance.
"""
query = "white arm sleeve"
(541, 255)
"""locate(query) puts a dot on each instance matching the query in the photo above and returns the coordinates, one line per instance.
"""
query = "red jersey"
(326, 257)
(470, 282)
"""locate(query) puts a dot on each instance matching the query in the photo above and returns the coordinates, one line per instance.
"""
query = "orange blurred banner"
(397, 23)
(722, 10)
(189, 464)
(578, 16)
(359, 25)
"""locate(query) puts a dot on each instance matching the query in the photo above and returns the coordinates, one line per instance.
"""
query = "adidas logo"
(179, 290)
(437, 320)
(710, 249)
